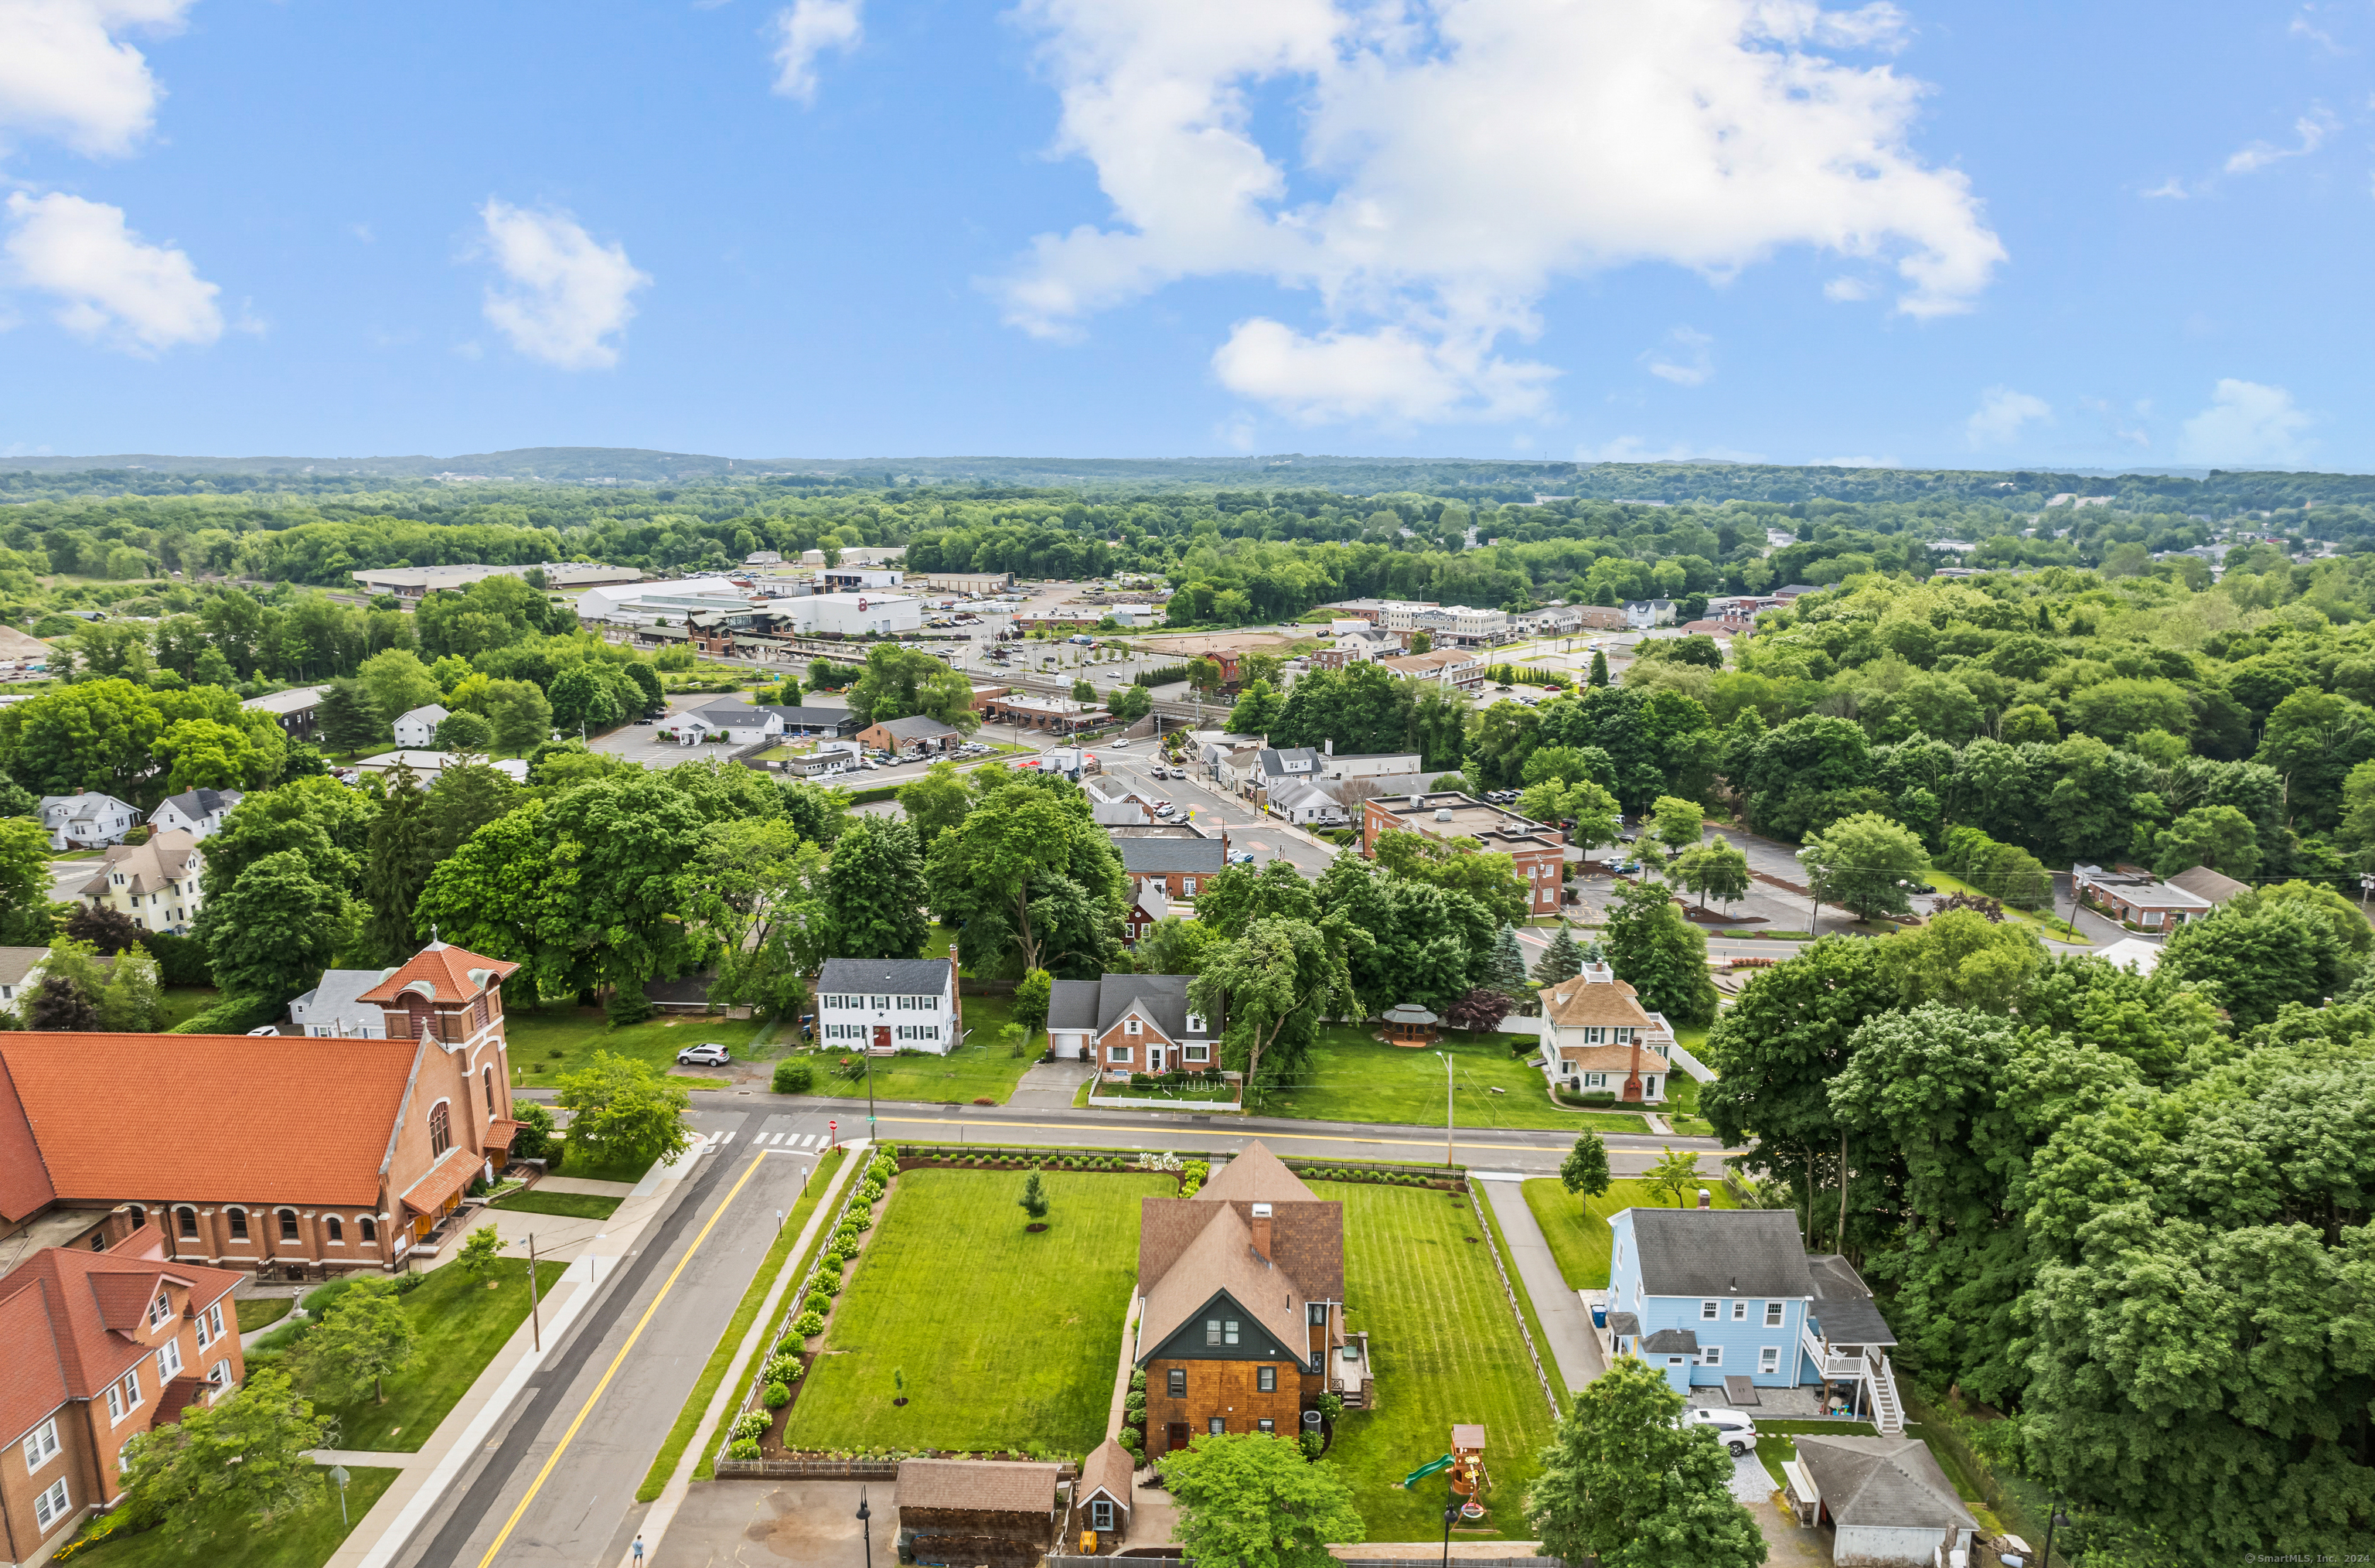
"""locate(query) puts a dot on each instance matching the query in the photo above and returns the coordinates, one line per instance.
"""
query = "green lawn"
(696, 1404)
(629, 1170)
(558, 1039)
(304, 1540)
(184, 1003)
(1009, 1340)
(1682, 1098)
(255, 1311)
(570, 1205)
(983, 1067)
(457, 1326)
(1446, 1350)
(2050, 926)
(1353, 1077)
(1577, 1227)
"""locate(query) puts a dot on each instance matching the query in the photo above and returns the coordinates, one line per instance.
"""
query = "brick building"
(1132, 1023)
(101, 1346)
(1538, 853)
(1241, 1321)
(389, 1135)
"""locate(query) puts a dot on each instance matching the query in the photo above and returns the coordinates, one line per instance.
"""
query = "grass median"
(1577, 1227)
(696, 1403)
(568, 1204)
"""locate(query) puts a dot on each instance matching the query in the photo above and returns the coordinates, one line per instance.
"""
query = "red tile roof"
(446, 1178)
(175, 1119)
(452, 974)
(24, 1178)
(61, 1318)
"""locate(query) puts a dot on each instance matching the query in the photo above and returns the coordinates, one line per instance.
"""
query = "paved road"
(614, 1389)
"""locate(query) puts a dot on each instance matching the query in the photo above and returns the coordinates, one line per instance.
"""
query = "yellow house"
(155, 883)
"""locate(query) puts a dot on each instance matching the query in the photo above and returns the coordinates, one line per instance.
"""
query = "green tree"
(464, 799)
(1599, 676)
(363, 1338)
(935, 803)
(1714, 868)
(1032, 878)
(1421, 643)
(1585, 1169)
(1172, 946)
(203, 754)
(2217, 836)
(1679, 823)
(622, 1112)
(1204, 677)
(1504, 971)
(401, 853)
(2257, 952)
(1258, 710)
(1130, 703)
(479, 1250)
(873, 891)
(397, 682)
(1660, 954)
(350, 722)
(1034, 1195)
(1238, 895)
(1625, 1483)
(760, 893)
(1961, 958)
(1562, 958)
(1675, 1173)
(1031, 998)
(1864, 863)
(272, 933)
(24, 881)
(1253, 1501)
(1084, 691)
(247, 1460)
(465, 731)
(2028, 724)
(96, 735)
(585, 701)
(1273, 984)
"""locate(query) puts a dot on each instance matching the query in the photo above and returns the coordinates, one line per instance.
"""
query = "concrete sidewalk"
(1565, 1322)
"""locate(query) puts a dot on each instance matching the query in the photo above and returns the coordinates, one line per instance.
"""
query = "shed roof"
(1107, 1470)
(996, 1486)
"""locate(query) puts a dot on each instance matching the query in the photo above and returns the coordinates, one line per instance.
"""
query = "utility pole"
(1448, 1156)
(535, 1315)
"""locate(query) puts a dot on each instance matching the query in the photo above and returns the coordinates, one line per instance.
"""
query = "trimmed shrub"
(776, 1396)
(743, 1448)
(792, 1077)
(1312, 1444)
(809, 1325)
(818, 1304)
(784, 1368)
(751, 1425)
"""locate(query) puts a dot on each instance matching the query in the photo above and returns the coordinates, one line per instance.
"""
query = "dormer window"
(1195, 1023)
(158, 1310)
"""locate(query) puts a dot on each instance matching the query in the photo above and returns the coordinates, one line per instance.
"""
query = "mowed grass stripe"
(1007, 1339)
(1447, 1351)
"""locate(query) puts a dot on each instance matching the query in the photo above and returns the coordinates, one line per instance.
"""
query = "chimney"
(1329, 745)
(1261, 1228)
(1707, 1201)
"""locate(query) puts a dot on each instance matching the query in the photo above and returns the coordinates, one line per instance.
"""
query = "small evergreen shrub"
(743, 1448)
(792, 1075)
(776, 1396)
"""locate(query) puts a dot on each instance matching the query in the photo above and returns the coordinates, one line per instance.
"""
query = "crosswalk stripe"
(725, 1137)
(811, 1140)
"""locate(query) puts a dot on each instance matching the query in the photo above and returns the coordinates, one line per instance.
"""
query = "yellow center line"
(616, 1362)
(1186, 1132)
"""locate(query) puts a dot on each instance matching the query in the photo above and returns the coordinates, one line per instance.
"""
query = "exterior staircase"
(1888, 1410)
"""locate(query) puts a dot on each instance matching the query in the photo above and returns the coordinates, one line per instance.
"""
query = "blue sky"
(1971, 234)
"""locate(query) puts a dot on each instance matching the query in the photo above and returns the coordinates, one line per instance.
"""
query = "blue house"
(1729, 1298)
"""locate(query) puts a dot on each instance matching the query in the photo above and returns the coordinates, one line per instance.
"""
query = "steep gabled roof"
(448, 973)
(1222, 1258)
(1600, 1003)
(1255, 1175)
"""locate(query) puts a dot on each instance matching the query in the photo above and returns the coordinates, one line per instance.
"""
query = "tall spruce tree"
(401, 852)
(1562, 960)
(350, 721)
(1504, 971)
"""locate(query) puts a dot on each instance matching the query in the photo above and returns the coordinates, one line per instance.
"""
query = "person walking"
(639, 1552)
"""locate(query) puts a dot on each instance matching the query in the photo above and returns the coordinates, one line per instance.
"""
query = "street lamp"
(2053, 1519)
(864, 1513)
(1814, 915)
(1451, 1512)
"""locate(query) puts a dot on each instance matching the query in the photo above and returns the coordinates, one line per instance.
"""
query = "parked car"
(707, 1054)
(1732, 1428)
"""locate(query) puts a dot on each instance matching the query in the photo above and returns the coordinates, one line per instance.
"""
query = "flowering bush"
(809, 1325)
(754, 1424)
(743, 1448)
(784, 1368)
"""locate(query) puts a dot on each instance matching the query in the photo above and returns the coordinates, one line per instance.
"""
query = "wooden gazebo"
(1409, 1026)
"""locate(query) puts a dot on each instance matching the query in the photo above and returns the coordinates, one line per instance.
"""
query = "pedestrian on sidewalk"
(639, 1552)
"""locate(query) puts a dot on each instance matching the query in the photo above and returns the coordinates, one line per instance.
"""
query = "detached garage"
(1884, 1498)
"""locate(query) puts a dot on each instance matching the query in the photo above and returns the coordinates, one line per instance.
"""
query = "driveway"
(1049, 1086)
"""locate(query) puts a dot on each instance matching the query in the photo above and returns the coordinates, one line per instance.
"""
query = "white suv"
(1733, 1429)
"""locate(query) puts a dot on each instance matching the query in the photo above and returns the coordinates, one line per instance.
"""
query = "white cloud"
(1687, 361)
(1389, 375)
(806, 29)
(564, 297)
(2311, 128)
(1847, 291)
(2003, 414)
(66, 73)
(2247, 425)
(2171, 189)
(1466, 154)
(112, 287)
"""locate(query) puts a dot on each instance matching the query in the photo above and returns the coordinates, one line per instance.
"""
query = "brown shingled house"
(1241, 1319)
(1598, 1039)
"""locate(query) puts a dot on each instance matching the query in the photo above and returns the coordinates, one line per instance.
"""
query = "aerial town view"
(1637, 832)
